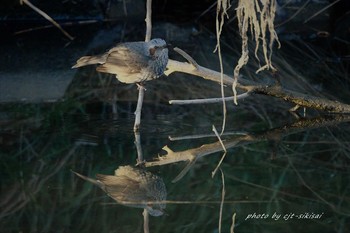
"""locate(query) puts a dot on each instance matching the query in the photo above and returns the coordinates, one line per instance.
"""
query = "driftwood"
(299, 99)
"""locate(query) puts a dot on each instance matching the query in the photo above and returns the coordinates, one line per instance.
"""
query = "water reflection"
(307, 173)
(134, 187)
(272, 135)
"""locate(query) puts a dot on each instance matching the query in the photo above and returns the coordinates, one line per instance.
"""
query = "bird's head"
(157, 47)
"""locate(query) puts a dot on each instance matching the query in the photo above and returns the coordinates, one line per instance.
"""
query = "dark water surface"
(281, 173)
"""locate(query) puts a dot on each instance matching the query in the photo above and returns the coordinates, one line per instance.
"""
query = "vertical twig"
(148, 20)
(138, 148)
(224, 149)
(222, 199)
(232, 228)
(139, 108)
(221, 10)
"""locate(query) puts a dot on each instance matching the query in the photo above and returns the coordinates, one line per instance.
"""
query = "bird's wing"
(121, 59)
(123, 189)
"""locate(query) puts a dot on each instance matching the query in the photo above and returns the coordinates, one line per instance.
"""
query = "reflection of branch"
(184, 171)
(250, 87)
(140, 158)
(223, 156)
(193, 154)
(233, 223)
(223, 191)
(197, 136)
(145, 221)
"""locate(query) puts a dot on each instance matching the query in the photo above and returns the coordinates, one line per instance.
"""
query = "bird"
(131, 62)
(134, 187)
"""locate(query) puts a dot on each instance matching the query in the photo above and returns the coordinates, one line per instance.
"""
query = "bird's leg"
(140, 85)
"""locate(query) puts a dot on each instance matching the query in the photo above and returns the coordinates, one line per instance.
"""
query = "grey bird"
(134, 187)
(131, 62)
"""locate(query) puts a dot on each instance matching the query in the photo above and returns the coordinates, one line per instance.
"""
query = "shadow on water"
(281, 172)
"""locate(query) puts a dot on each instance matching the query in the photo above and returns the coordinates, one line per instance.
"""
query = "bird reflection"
(134, 187)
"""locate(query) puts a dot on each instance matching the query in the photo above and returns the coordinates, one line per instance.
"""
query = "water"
(280, 172)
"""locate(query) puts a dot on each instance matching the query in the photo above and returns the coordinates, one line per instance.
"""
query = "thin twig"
(209, 100)
(92, 21)
(46, 16)
(139, 108)
(197, 136)
(148, 21)
(224, 149)
(222, 199)
(295, 14)
(148, 36)
(206, 11)
(125, 8)
(187, 57)
(221, 8)
(320, 11)
(140, 158)
(233, 223)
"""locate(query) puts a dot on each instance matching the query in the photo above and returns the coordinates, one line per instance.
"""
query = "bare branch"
(137, 142)
(46, 16)
(223, 156)
(184, 67)
(148, 21)
(187, 57)
(300, 99)
(208, 101)
(148, 36)
(139, 108)
(251, 87)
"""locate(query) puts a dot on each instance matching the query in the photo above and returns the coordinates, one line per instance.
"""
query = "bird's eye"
(152, 51)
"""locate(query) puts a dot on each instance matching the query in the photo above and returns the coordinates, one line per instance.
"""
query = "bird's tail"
(95, 182)
(90, 60)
